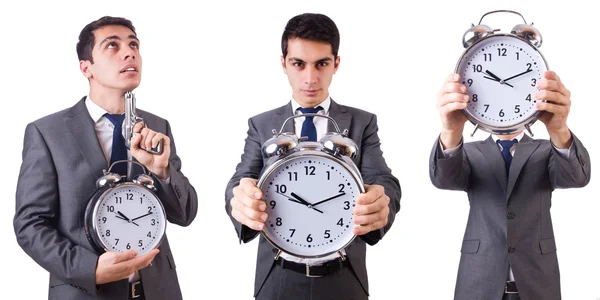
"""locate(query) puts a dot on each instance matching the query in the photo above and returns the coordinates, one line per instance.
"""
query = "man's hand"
(556, 110)
(246, 206)
(147, 139)
(372, 210)
(114, 266)
(451, 99)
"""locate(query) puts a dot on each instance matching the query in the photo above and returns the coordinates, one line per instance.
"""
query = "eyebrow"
(116, 37)
(295, 59)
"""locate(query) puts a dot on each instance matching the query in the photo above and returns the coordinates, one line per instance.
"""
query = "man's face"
(309, 67)
(117, 61)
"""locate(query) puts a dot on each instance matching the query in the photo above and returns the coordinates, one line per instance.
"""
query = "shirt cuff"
(563, 152)
(449, 152)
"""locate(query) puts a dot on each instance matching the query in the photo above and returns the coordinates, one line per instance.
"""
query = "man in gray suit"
(63, 156)
(310, 45)
(508, 251)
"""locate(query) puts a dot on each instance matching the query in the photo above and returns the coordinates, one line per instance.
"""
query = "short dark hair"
(87, 39)
(312, 27)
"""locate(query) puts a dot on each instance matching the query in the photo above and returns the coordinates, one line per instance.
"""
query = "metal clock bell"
(500, 71)
(310, 189)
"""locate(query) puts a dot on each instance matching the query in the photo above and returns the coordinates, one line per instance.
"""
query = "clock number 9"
(104, 219)
(470, 82)
(273, 203)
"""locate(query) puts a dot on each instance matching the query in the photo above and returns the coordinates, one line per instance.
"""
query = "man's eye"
(323, 64)
(134, 45)
(298, 64)
(111, 45)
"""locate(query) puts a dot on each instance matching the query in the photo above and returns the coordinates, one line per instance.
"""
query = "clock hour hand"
(496, 78)
(300, 202)
(121, 216)
(309, 205)
(329, 199)
(522, 73)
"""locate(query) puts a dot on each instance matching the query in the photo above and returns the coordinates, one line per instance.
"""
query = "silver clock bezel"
(96, 235)
(500, 130)
(306, 150)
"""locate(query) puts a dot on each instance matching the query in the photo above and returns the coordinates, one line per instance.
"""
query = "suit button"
(510, 215)
(511, 249)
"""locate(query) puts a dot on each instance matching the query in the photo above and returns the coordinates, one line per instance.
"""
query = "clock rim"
(493, 129)
(92, 213)
(301, 155)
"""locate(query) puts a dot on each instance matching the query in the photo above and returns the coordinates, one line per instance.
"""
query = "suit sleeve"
(374, 170)
(178, 196)
(250, 166)
(449, 172)
(572, 171)
(35, 221)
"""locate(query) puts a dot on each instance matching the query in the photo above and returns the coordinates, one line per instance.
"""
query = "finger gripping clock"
(123, 215)
(500, 71)
(310, 189)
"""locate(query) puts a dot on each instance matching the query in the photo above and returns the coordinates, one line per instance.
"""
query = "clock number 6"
(309, 239)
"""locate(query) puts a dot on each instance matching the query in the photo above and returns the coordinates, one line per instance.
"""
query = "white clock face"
(129, 217)
(500, 74)
(310, 203)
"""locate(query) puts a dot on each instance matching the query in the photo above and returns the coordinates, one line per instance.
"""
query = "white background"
(220, 60)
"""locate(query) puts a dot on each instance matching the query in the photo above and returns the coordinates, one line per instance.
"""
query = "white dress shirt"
(321, 125)
(563, 152)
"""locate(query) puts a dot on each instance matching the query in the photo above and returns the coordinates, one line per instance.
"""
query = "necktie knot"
(310, 110)
(507, 144)
(115, 119)
(308, 127)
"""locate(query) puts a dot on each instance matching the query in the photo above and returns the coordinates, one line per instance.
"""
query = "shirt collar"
(518, 137)
(325, 105)
(96, 112)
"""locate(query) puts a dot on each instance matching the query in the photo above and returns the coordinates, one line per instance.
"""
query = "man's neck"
(113, 101)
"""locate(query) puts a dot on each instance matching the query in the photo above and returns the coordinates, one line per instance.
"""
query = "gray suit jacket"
(363, 129)
(62, 158)
(509, 218)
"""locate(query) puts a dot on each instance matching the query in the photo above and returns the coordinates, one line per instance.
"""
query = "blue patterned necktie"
(506, 145)
(308, 127)
(119, 151)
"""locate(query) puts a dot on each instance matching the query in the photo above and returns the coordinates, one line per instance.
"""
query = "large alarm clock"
(500, 71)
(310, 189)
(123, 215)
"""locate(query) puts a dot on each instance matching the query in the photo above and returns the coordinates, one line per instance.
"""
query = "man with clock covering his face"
(309, 58)
(508, 251)
(63, 156)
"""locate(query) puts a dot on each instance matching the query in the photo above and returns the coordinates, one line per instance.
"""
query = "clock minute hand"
(329, 199)
(522, 73)
(299, 202)
(141, 216)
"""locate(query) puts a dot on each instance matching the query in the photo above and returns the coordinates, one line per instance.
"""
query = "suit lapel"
(281, 115)
(341, 117)
(523, 151)
(81, 126)
(490, 150)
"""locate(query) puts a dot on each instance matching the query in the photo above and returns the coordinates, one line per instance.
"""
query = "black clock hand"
(123, 217)
(496, 78)
(522, 73)
(328, 199)
(300, 202)
(141, 216)
(304, 202)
